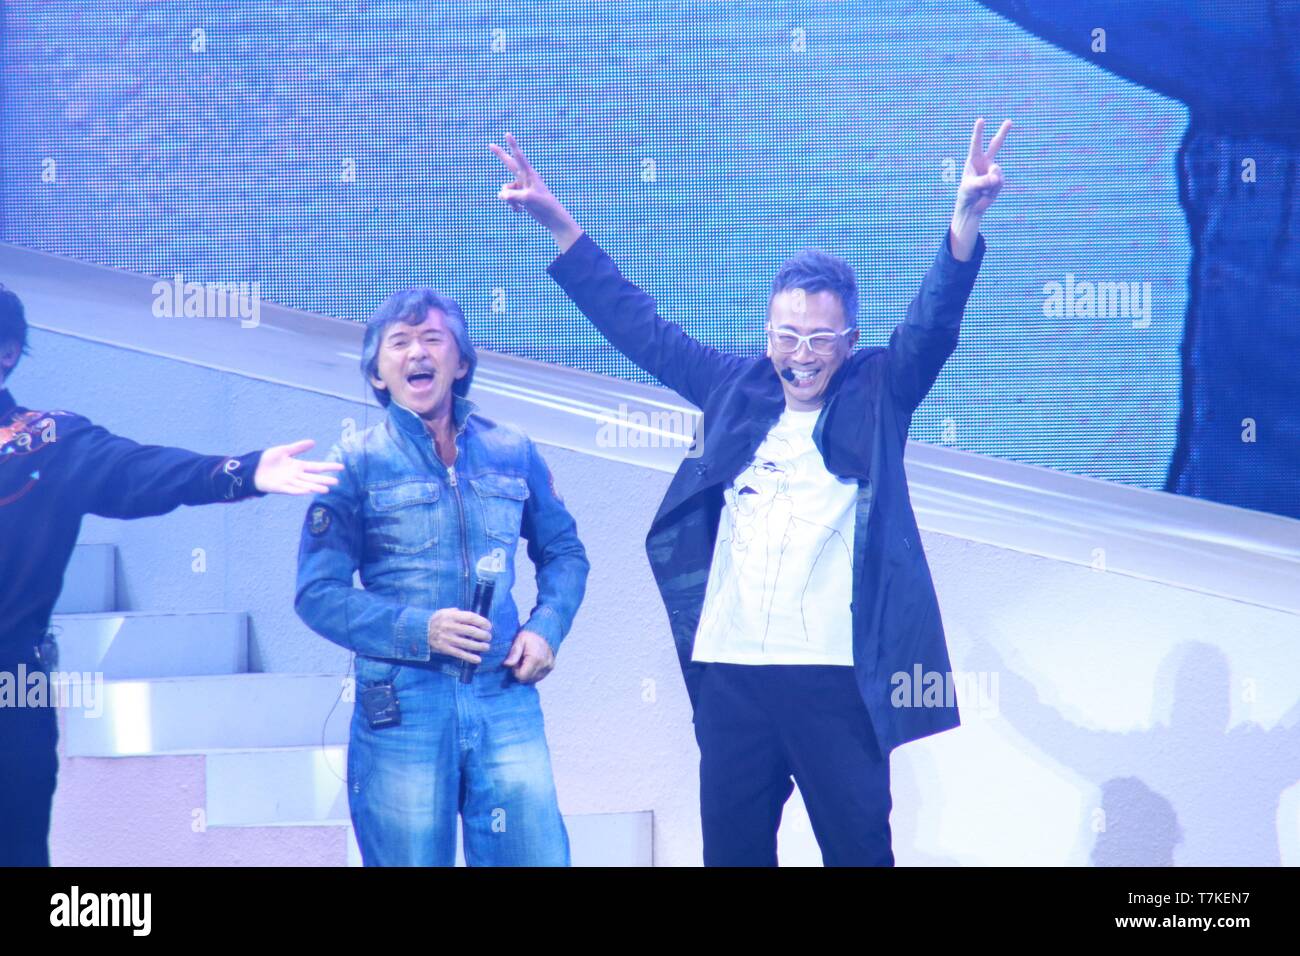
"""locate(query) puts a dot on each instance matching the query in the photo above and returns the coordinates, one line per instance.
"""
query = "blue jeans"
(477, 750)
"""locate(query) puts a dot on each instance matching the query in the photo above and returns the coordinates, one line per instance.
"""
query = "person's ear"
(379, 383)
(9, 353)
(462, 370)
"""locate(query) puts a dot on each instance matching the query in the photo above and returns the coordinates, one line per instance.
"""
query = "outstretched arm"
(625, 315)
(928, 334)
(121, 478)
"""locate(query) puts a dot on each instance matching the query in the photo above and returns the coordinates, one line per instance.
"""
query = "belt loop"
(452, 669)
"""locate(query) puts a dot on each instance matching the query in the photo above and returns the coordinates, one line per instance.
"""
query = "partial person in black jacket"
(787, 554)
(1236, 66)
(55, 468)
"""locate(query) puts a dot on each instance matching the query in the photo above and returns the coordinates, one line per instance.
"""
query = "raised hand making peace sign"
(981, 182)
(528, 193)
(981, 179)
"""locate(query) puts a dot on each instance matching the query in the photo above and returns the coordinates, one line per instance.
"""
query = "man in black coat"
(787, 554)
(55, 468)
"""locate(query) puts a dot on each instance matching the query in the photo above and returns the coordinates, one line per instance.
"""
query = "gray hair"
(412, 306)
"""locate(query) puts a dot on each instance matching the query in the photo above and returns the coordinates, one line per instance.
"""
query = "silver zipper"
(460, 510)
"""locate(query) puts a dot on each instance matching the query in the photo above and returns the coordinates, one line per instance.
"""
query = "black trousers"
(760, 725)
(29, 765)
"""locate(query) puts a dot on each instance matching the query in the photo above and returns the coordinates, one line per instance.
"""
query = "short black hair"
(813, 271)
(13, 323)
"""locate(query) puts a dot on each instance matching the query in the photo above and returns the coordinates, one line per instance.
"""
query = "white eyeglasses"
(821, 343)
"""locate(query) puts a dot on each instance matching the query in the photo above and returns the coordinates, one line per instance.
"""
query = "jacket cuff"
(954, 277)
(575, 261)
(546, 622)
(234, 478)
(950, 261)
(412, 638)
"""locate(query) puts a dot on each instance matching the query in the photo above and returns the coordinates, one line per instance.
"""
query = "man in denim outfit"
(424, 496)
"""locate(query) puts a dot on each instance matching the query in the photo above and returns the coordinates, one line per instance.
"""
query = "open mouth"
(804, 377)
(420, 381)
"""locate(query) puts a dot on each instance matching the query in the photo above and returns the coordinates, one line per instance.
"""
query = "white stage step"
(611, 839)
(90, 583)
(281, 786)
(306, 786)
(178, 715)
(137, 645)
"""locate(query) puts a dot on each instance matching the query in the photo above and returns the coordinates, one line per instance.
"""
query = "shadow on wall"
(1192, 792)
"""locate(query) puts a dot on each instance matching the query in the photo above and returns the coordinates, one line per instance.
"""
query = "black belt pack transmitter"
(379, 704)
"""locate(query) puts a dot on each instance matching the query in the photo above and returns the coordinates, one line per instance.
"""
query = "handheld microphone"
(486, 571)
(787, 374)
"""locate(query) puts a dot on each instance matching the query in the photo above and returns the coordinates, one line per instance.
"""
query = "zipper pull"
(451, 469)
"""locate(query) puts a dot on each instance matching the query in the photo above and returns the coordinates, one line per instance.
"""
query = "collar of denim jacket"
(413, 424)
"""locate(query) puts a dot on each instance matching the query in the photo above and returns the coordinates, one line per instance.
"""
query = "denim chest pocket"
(502, 498)
(402, 516)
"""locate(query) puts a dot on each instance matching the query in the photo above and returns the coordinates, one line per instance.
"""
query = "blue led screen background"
(336, 152)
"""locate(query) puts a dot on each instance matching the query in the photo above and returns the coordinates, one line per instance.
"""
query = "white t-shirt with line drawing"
(782, 575)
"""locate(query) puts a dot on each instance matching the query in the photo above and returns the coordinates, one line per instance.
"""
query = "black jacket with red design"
(56, 467)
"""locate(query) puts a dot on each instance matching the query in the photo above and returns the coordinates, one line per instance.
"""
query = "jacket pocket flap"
(403, 494)
(501, 486)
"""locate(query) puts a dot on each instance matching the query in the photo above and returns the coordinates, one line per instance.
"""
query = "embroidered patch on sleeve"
(319, 520)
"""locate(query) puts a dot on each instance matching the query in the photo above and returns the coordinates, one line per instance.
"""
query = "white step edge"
(308, 786)
(213, 714)
(140, 644)
(273, 786)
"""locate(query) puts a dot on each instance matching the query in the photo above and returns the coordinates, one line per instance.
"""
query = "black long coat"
(900, 657)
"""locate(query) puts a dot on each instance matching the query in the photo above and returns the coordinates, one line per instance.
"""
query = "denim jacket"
(415, 529)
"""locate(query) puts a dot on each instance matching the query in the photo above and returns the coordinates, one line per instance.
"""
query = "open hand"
(279, 471)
